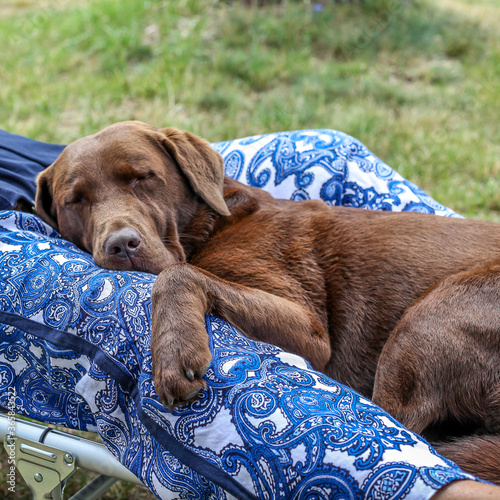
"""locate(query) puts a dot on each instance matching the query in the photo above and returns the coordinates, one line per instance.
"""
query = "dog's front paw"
(178, 373)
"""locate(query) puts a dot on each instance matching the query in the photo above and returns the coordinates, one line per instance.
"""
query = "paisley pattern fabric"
(74, 348)
(323, 164)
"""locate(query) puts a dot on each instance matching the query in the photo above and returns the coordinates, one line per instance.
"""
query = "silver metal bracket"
(44, 468)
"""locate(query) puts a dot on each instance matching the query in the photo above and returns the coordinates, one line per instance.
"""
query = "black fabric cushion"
(21, 160)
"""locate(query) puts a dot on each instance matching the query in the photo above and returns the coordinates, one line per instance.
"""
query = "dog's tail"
(476, 454)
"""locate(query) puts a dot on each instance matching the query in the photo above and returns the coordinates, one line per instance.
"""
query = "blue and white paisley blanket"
(74, 346)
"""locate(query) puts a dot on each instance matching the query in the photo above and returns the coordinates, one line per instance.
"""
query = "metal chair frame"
(46, 457)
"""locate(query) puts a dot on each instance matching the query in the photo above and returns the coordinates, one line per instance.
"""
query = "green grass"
(418, 81)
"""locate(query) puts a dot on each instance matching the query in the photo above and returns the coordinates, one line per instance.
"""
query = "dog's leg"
(467, 490)
(183, 295)
(476, 454)
(443, 361)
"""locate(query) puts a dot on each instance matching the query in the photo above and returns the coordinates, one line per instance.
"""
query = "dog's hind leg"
(442, 362)
(476, 454)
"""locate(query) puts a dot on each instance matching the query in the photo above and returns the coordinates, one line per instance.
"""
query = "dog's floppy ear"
(44, 206)
(202, 166)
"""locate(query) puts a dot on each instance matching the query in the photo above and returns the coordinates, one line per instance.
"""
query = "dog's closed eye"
(141, 178)
(76, 199)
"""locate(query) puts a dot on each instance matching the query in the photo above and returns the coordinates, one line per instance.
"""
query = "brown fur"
(342, 287)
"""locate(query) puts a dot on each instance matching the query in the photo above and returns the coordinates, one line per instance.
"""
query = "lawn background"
(417, 81)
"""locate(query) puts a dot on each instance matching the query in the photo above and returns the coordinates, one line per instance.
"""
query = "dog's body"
(399, 305)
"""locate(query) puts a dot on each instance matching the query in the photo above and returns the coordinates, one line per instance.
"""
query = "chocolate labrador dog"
(402, 307)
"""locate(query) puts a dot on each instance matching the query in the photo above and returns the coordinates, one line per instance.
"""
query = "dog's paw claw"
(191, 395)
(178, 373)
(167, 401)
(204, 370)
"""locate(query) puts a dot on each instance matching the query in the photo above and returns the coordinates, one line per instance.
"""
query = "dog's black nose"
(123, 243)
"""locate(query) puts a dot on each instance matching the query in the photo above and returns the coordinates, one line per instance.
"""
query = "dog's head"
(125, 193)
